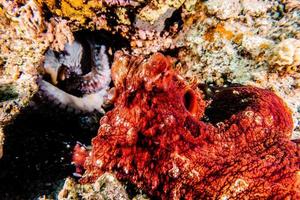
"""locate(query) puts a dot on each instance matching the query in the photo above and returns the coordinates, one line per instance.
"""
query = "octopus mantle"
(158, 137)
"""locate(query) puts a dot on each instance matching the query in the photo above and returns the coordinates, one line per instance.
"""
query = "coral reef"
(105, 187)
(75, 10)
(286, 56)
(92, 14)
(154, 14)
(166, 139)
(223, 9)
(25, 36)
(245, 42)
(14, 96)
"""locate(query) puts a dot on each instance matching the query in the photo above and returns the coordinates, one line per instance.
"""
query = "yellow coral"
(78, 10)
(156, 8)
(286, 56)
(122, 16)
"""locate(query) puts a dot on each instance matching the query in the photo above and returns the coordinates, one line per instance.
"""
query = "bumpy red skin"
(78, 157)
(155, 139)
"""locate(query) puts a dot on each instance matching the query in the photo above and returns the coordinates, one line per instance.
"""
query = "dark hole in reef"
(226, 103)
(113, 41)
(37, 151)
(47, 13)
(58, 4)
(7, 92)
(172, 52)
(189, 100)
(90, 41)
(175, 18)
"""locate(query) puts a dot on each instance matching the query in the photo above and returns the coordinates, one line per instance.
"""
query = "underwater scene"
(149, 99)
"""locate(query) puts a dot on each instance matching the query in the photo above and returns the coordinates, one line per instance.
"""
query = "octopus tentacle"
(70, 85)
(87, 103)
(100, 73)
(72, 56)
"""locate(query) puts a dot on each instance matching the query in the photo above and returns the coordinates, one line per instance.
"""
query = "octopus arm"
(86, 103)
(244, 109)
(99, 77)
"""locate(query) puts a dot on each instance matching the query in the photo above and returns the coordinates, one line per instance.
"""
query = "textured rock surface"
(245, 46)
(105, 187)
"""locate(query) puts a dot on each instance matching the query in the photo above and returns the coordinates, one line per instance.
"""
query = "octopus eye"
(189, 101)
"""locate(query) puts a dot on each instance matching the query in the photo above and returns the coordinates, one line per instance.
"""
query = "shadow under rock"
(37, 153)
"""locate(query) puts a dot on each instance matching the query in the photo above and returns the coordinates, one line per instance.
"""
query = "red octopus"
(163, 137)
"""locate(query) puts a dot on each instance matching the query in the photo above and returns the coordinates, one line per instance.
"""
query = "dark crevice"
(225, 104)
(175, 18)
(37, 152)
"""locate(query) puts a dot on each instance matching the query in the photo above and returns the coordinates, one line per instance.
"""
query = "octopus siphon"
(167, 139)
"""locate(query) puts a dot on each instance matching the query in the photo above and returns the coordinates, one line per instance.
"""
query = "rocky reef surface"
(64, 66)
(246, 42)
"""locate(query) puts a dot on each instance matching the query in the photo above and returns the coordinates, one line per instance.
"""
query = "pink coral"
(166, 139)
(122, 2)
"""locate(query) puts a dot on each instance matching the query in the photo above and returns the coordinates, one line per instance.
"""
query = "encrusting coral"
(166, 139)
(91, 14)
(248, 42)
(286, 56)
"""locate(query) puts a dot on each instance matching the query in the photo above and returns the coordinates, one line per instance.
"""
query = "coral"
(61, 34)
(105, 187)
(154, 14)
(256, 45)
(91, 14)
(286, 56)
(254, 7)
(166, 139)
(22, 38)
(292, 4)
(123, 2)
(223, 9)
(145, 42)
(78, 10)
(243, 47)
(26, 35)
(28, 16)
(14, 96)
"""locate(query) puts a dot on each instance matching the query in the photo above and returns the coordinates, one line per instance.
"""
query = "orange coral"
(163, 137)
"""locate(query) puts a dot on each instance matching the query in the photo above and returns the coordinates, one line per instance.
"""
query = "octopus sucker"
(100, 72)
(78, 77)
(156, 137)
(87, 103)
